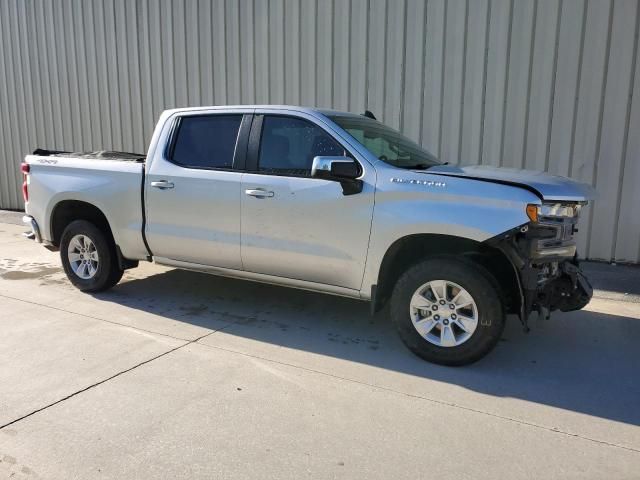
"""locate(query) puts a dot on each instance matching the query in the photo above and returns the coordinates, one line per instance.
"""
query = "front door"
(193, 193)
(299, 227)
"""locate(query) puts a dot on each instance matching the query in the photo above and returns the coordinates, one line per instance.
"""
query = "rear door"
(295, 226)
(192, 190)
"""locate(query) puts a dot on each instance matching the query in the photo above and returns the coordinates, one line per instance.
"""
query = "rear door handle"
(162, 184)
(259, 193)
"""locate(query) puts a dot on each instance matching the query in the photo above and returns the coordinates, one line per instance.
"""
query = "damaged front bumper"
(566, 289)
(546, 267)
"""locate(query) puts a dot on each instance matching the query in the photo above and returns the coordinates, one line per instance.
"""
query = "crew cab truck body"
(321, 200)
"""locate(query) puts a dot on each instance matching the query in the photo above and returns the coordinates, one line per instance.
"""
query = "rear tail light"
(24, 168)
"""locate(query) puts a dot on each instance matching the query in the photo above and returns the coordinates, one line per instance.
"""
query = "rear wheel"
(448, 311)
(89, 257)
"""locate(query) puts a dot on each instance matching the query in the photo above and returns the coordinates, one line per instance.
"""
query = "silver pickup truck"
(321, 200)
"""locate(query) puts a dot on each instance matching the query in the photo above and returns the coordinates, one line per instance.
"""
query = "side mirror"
(339, 169)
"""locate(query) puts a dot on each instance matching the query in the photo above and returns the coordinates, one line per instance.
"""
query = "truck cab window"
(289, 145)
(206, 141)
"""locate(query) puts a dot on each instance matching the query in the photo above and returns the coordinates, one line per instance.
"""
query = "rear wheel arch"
(67, 211)
(412, 249)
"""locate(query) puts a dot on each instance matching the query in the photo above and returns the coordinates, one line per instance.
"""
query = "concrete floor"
(184, 375)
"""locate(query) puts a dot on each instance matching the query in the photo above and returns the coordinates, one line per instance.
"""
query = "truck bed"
(110, 181)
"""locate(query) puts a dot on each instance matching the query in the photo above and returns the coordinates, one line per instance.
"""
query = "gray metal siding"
(541, 84)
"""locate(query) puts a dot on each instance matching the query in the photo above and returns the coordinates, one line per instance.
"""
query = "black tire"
(478, 282)
(108, 272)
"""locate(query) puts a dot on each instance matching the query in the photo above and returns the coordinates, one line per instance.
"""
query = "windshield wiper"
(419, 166)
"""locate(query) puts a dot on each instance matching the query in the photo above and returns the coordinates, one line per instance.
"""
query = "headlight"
(554, 211)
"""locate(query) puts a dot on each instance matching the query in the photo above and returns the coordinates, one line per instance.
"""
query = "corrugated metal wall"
(544, 84)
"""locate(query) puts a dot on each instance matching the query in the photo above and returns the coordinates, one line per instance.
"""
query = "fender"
(458, 207)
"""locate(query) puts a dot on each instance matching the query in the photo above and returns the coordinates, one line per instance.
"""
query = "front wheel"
(448, 311)
(88, 257)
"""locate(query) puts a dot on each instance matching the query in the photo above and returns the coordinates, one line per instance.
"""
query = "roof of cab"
(291, 108)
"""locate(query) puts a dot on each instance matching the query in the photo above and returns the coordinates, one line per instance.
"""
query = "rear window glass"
(206, 141)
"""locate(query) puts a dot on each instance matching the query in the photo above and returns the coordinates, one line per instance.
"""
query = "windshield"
(387, 144)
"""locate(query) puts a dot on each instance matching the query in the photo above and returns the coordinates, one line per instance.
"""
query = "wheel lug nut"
(452, 306)
(442, 302)
(436, 317)
(453, 316)
(434, 308)
(445, 321)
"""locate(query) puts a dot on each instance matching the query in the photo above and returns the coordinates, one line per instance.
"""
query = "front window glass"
(290, 144)
(387, 144)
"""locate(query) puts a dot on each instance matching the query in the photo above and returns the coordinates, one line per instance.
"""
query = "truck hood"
(545, 185)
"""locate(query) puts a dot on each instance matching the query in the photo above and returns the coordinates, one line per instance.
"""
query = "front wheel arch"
(412, 249)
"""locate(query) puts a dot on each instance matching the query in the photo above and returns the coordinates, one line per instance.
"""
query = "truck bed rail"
(97, 155)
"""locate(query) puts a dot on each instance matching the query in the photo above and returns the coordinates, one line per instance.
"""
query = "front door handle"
(259, 193)
(162, 184)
